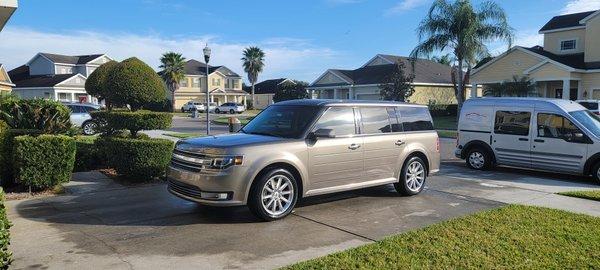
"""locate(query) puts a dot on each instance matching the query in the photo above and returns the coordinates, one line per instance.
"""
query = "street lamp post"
(206, 59)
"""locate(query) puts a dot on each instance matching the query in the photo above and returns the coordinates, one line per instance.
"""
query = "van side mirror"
(576, 137)
(324, 133)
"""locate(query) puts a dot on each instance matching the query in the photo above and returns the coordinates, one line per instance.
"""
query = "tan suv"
(302, 148)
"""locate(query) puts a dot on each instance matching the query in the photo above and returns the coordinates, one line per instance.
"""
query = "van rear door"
(511, 136)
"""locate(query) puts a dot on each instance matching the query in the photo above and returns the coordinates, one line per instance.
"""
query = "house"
(6, 84)
(57, 77)
(432, 81)
(265, 90)
(224, 85)
(567, 66)
(7, 8)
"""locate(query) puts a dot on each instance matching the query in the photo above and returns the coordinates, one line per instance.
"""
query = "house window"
(568, 45)
(183, 83)
(596, 94)
(216, 81)
(195, 82)
(227, 83)
(236, 84)
(63, 96)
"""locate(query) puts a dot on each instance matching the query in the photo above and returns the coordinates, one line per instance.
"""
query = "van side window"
(555, 126)
(375, 120)
(394, 119)
(512, 123)
(340, 119)
(415, 118)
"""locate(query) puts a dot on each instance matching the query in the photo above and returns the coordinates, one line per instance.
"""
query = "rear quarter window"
(415, 118)
(589, 105)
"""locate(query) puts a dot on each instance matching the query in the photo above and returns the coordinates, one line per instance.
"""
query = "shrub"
(137, 159)
(289, 91)
(49, 116)
(132, 121)
(87, 156)
(3, 148)
(442, 109)
(6, 151)
(5, 224)
(43, 161)
(97, 84)
(135, 83)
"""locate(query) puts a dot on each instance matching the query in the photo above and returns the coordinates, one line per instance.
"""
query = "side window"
(394, 116)
(555, 126)
(375, 120)
(340, 119)
(512, 123)
(415, 118)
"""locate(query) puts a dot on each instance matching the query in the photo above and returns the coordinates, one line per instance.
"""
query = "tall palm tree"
(445, 59)
(172, 72)
(253, 62)
(464, 30)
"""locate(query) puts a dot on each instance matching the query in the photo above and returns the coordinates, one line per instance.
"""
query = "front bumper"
(458, 153)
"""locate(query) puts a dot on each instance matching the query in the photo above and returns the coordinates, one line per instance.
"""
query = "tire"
(89, 128)
(273, 209)
(478, 159)
(217, 111)
(596, 173)
(412, 177)
(182, 109)
(231, 111)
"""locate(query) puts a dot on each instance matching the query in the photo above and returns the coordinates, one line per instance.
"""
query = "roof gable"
(195, 67)
(4, 75)
(568, 21)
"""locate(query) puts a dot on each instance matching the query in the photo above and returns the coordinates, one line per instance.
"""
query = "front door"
(554, 145)
(511, 136)
(336, 161)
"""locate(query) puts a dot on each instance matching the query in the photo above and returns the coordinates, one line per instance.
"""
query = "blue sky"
(301, 38)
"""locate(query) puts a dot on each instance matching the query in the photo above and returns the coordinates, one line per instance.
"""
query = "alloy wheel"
(89, 128)
(277, 195)
(415, 176)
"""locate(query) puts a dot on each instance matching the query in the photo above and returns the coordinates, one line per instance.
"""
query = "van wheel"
(596, 173)
(412, 177)
(478, 159)
(274, 195)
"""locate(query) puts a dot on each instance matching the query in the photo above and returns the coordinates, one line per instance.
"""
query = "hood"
(217, 143)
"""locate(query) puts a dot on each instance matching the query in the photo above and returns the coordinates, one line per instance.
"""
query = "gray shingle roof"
(69, 59)
(21, 78)
(566, 21)
(266, 86)
(195, 67)
(576, 60)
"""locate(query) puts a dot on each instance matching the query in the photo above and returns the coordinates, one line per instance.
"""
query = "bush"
(133, 121)
(161, 106)
(6, 151)
(442, 109)
(289, 91)
(137, 159)
(43, 161)
(135, 83)
(51, 117)
(3, 148)
(97, 84)
(5, 255)
(87, 156)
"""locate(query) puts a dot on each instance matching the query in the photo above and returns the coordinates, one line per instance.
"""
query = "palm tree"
(172, 72)
(253, 62)
(445, 59)
(463, 30)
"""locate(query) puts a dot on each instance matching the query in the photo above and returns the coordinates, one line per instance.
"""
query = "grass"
(447, 133)
(445, 122)
(225, 120)
(521, 237)
(587, 194)
(183, 135)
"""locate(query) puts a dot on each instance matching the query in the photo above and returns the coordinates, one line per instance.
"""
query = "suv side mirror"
(324, 133)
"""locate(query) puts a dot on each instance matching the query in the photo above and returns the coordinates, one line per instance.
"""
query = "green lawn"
(447, 133)
(512, 237)
(587, 194)
(183, 135)
(224, 120)
(445, 122)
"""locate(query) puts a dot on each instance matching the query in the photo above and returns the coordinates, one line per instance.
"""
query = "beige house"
(432, 81)
(224, 85)
(6, 84)
(567, 66)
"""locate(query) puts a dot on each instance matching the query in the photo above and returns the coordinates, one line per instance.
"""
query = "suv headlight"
(226, 162)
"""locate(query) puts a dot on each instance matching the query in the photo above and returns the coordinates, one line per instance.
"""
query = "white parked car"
(211, 107)
(591, 104)
(230, 107)
(80, 116)
(188, 107)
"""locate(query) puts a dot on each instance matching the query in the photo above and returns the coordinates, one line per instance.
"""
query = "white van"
(544, 134)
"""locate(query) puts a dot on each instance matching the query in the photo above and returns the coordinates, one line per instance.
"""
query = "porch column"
(566, 89)
(335, 93)
(225, 98)
(73, 98)
(351, 93)
(311, 93)
(546, 89)
(580, 90)
(473, 90)
(244, 98)
(212, 99)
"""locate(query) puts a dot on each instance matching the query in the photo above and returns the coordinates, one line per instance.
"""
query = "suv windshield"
(282, 121)
(589, 120)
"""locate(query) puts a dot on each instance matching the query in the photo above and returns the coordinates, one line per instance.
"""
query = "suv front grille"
(191, 162)
(184, 189)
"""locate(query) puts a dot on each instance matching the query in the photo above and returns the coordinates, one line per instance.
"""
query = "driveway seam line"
(335, 228)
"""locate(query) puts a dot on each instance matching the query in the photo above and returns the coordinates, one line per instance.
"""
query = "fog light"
(213, 196)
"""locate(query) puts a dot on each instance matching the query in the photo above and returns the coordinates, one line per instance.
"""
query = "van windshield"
(589, 120)
(282, 121)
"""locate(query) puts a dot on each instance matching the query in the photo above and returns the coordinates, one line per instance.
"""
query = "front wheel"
(89, 128)
(478, 159)
(217, 111)
(231, 111)
(412, 177)
(596, 173)
(274, 195)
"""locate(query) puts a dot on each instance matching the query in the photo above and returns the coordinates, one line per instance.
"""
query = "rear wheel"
(231, 111)
(217, 111)
(412, 177)
(89, 128)
(596, 173)
(479, 159)
(274, 195)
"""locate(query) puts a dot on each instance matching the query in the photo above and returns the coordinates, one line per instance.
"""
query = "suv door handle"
(523, 139)
(538, 140)
(354, 146)
(400, 143)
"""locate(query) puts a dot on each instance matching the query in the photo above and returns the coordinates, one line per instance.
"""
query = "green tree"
(445, 59)
(97, 85)
(172, 72)
(518, 87)
(291, 90)
(253, 62)
(135, 83)
(464, 30)
(397, 86)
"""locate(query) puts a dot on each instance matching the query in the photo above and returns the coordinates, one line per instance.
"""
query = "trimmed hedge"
(87, 156)
(137, 159)
(5, 224)
(3, 148)
(51, 117)
(112, 121)
(6, 150)
(43, 161)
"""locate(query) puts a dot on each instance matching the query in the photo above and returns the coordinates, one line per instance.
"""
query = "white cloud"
(524, 38)
(285, 57)
(405, 5)
(576, 6)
